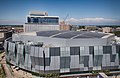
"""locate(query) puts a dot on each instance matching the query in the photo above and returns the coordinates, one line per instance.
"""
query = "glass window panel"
(86, 61)
(64, 62)
(74, 50)
(107, 49)
(98, 60)
(55, 51)
(47, 61)
(112, 57)
(81, 59)
(91, 49)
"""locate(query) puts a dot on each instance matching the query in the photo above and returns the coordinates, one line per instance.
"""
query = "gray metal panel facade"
(63, 59)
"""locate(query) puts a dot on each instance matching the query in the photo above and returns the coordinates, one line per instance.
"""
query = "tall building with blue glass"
(40, 21)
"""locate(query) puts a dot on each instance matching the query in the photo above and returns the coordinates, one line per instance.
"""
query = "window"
(43, 20)
(98, 60)
(91, 49)
(35, 20)
(55, 51)
(107, 49)
(65, 62)
(74, 50)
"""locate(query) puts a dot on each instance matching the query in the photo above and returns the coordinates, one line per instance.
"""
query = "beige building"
(90, 28)
(106, 29)
(1, 34)
(64, 26)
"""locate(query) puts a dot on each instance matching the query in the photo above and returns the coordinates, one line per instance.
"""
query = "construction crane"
(64, 19)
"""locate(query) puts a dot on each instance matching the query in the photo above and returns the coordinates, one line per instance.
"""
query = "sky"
(88, 12)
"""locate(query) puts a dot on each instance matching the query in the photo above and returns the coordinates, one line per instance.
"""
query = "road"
(3, 63)
(13, 73)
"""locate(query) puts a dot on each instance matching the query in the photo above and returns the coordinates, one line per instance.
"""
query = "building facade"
(64, 26)
(4, 35)
(63, 51)
(107, 29)
(40, 21)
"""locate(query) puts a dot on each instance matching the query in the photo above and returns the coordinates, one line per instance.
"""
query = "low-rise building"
(106, 29)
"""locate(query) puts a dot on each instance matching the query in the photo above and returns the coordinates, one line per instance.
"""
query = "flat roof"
(43, 16)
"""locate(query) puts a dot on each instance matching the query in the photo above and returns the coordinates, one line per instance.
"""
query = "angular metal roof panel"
(48, 33)
(70, 34)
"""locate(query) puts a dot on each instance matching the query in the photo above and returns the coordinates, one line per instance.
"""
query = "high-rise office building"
(40, 21)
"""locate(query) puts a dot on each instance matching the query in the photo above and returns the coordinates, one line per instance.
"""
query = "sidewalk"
(7, 71)
(21, 74)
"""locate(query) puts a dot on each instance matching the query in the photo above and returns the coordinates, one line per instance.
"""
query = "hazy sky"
(80, 11)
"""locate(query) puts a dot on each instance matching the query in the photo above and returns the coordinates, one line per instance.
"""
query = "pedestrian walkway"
(21, 73)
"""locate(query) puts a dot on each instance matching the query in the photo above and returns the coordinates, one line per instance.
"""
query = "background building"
(40, 21)
(64, 26)
(107, 29)
(4, 35)
(91, 28)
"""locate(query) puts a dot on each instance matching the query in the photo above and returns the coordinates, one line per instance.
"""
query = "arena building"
(58, 51)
